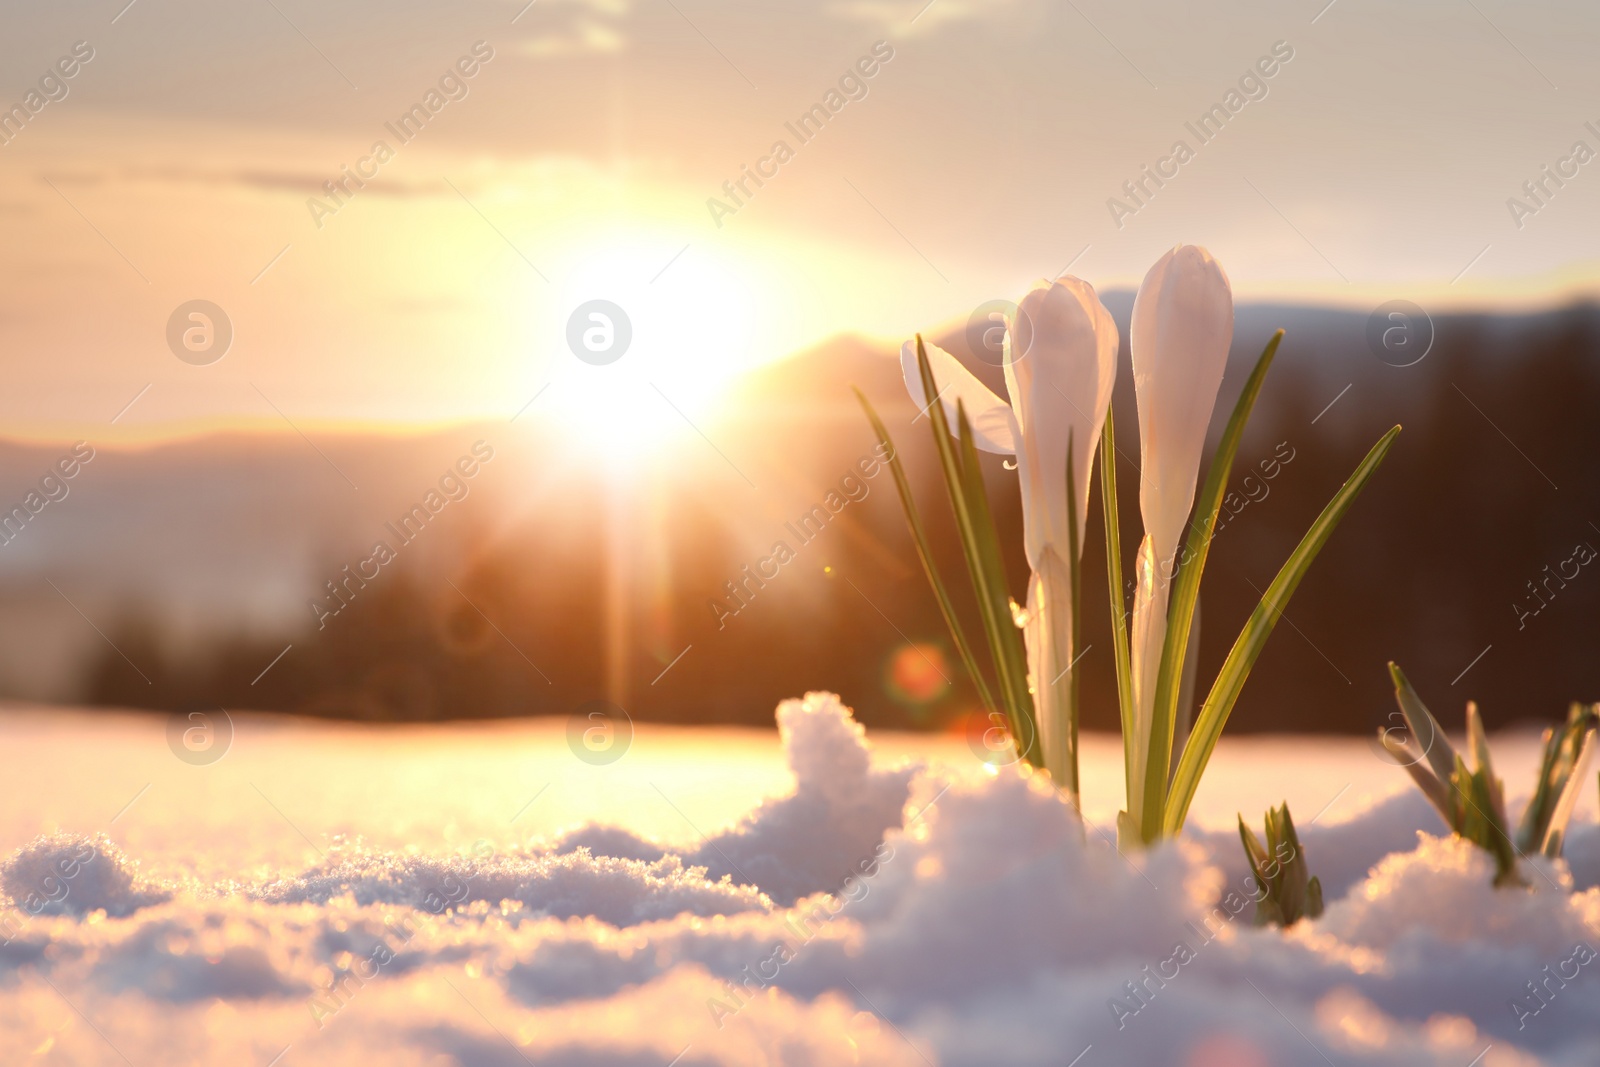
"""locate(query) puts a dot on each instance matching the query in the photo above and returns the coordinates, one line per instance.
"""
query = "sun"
(644, 338)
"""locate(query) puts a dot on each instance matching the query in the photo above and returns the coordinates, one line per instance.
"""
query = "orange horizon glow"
(436, 292)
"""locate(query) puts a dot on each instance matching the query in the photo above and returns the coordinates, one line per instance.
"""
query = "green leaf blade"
(1011, 658)
(908, 504)
(1074, 566)
(1185, 593)
(1252, 639)
(1119, 613)
(993, 604)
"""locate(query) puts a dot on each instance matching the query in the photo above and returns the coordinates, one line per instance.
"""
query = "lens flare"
(917, 674)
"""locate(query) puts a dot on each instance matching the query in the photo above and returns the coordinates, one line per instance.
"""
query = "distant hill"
(544, 588)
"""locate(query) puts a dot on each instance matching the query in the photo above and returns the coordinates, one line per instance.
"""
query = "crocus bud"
(1181, 330)
(1061, 363)
(1060, 388)
(994, 429)
(1061, 367)
(1182, 327)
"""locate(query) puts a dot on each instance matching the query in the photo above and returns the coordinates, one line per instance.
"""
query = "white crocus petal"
(1181, 330)
(993, 427)
(1062, 366)
(1148, 634)
(1047, 635)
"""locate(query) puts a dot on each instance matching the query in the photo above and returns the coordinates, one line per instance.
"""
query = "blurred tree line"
(1492, 481)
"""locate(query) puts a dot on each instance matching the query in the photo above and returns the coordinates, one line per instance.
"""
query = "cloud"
(908, 18)
(581, 27)
(300, 183)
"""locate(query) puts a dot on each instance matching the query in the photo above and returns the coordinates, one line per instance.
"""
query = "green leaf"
(908, 504)
(1530, 834)
(1313, 898)
(1478, 743)
(1293, 872)
(1568, 778)
(1074, 566)
(1555, 835)
(1119, 610)
(1437, 792)
(1185, 591)
(993, 604)
(1288, 894)
(980, 543)
(1555, 791)
(1477, 740)
(1011, 658)
(1482, 821)
(1440, 754)
(1469, 818)
(1253, 850)
(1127, 832)
(1253, 638)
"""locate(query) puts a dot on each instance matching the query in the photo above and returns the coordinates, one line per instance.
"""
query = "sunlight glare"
(689, 317)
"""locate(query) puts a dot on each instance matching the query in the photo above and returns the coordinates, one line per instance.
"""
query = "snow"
(622, 892)
(61, 873)
(856, 908)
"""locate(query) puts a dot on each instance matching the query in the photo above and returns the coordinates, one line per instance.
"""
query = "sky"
(1370, 152)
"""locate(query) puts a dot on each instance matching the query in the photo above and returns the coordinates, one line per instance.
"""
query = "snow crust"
(878, 914)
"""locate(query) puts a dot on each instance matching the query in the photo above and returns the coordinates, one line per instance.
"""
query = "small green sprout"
(1555, 794)
(1472, 803)
(1281, 874)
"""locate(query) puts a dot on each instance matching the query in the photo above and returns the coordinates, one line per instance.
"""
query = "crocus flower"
(1060, 387)
(1182, 327)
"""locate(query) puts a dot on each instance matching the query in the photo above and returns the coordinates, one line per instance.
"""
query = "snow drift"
(876, 915)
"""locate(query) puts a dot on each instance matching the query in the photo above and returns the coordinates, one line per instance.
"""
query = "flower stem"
(1119, 611)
